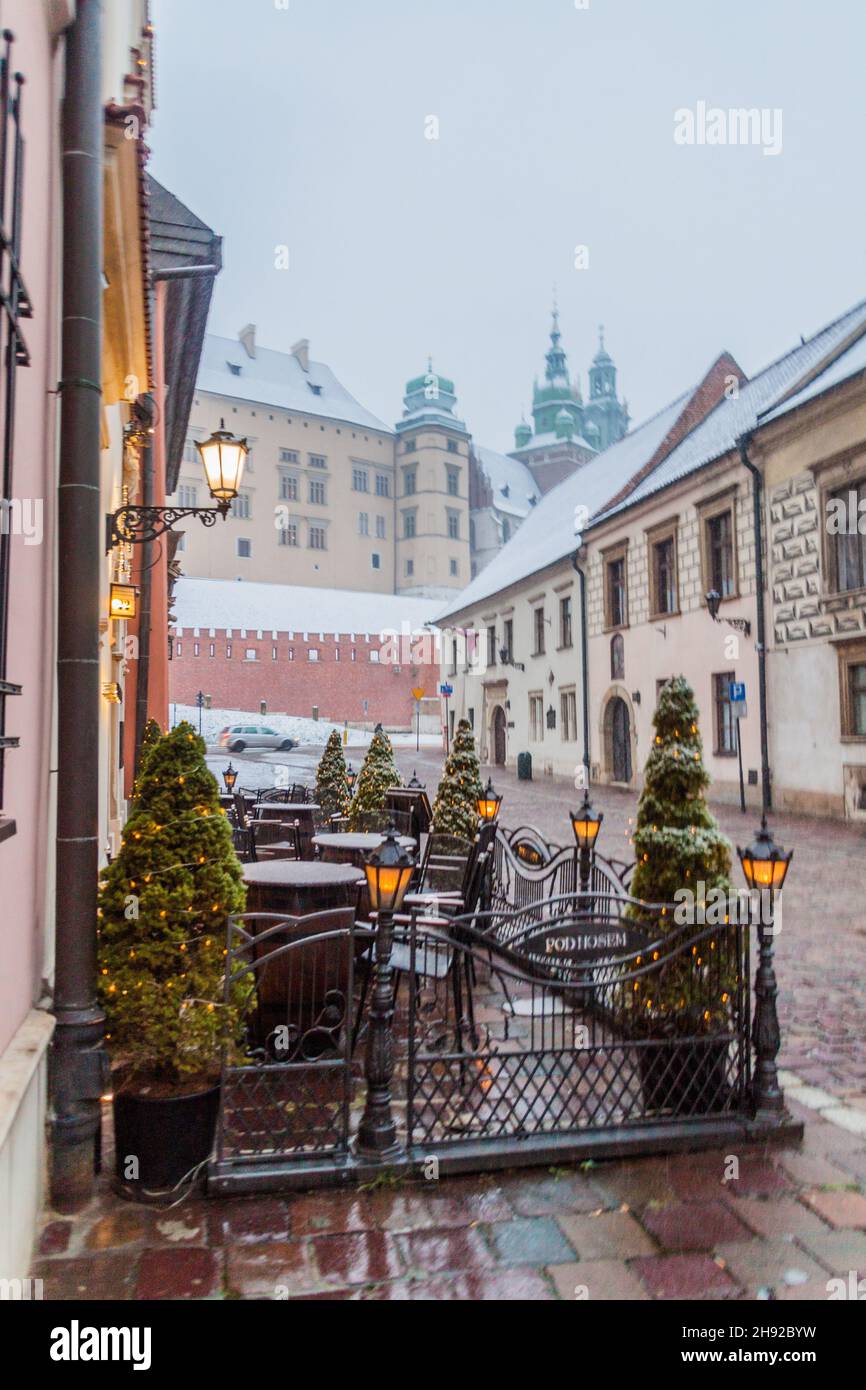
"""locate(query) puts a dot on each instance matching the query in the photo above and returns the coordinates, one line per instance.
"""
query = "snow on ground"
(304, 731)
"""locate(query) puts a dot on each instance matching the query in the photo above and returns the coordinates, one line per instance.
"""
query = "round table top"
(281, 806)
(354, 840)
(300, 873)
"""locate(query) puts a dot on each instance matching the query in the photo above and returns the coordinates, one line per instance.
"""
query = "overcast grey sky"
(304, 127)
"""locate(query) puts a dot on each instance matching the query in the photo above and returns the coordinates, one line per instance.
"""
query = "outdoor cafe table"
(298, 887)
(352, 847)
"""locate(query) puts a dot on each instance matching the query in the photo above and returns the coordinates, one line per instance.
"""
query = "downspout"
(78, 1062)
(144, 416)
(761, 645)
(584, 659)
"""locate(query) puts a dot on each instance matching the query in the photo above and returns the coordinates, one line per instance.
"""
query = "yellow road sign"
(418, 692)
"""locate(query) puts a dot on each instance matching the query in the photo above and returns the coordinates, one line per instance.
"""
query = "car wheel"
(287, 745)
(238, 746)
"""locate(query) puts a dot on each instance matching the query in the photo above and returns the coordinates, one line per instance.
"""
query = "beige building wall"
(288, 493)
(490, 692)
(656, 646)
(817, 630)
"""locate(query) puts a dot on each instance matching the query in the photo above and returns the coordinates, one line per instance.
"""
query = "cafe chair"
(276, 839)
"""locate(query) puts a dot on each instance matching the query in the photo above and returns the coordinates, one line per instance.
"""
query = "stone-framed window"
(360, 480)
(718, 531)
(363, 524)
(724, 723)
(568, 714)
(852, 690)
(615, 569)
(244, 547)
(318, 538)
(453, 521)
(538, 630)
(383, 485)
(317, 492)
(845, 551)
(288, 534)
(410, 482)
(491, 645)
(453, 483)
(536, 717)
(409, 524)
(662, 558)
(566, 625)
(288, 488)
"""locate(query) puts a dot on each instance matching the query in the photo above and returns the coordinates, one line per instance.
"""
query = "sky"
(298, 130)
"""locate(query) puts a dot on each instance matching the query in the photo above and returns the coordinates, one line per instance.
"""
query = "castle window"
(288, 534)
(453, 526)
(245, 547)
(409, 525)
(288, 456)
(376, 560)
(363, 524)
(452, 446)
(410, 482)
(317, 538)
(289, 489)
(383, 485)
(317, 491)
(317, 461)
(360, 480)
(453, 482)
(380, 528)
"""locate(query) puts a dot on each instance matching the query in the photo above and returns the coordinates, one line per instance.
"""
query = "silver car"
(237, 737)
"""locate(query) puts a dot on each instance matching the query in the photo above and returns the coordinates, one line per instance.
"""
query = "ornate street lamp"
(230, 776)
(223, 458)
(488, 803)
(713, 600)
(586, 824)
(351, 776)
(414, 785)
(388, 871)
(765, 867)
(765, 864)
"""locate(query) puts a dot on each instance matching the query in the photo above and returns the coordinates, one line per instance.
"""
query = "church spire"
(557, 368)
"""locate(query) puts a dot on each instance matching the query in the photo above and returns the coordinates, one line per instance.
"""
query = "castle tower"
(603, 411)
(432, 506)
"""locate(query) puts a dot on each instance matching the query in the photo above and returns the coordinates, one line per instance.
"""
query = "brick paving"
(654, 1228)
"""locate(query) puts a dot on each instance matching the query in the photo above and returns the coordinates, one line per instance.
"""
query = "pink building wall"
(26, 859)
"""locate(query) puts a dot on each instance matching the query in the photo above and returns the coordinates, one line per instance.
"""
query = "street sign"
(446, 690)
(418, 692)
(736, 691)
(741, 710)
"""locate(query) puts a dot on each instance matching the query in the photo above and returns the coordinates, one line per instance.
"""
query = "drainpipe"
(761, 645)
(143, 414)
(584, 658)
(78, 1062)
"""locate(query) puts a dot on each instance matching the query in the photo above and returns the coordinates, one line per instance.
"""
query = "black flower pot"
(687, 1078)
(168, 1135)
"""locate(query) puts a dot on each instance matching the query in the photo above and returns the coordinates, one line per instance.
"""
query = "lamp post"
(199, 699)
(230, 776)
(223, 458)
(586, 824)
(488, 804)
(388, 871)
(351, 776)
(765, 867)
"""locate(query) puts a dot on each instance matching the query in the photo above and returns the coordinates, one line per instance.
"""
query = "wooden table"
(353, 846)
(298, 886)
(294, 988)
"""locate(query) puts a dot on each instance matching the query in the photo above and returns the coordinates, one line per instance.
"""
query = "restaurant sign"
(573, 943)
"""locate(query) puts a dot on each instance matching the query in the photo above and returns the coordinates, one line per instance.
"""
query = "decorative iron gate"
(286, 1098)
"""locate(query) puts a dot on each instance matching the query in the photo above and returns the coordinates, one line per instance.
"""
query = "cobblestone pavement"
(651, 1228)
(654, 1228)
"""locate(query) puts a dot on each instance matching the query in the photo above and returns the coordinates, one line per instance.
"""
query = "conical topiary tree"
(150, 738)
(679, 847)
(332, 789)
(455, 809)
(677, 841)
(378, 773)
(164, 904)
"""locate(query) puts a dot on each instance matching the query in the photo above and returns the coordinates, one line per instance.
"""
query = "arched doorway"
(617, 740)
(498, 735)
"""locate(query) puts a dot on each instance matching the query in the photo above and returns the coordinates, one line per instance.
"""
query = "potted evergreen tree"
(332, 789)
(455, 809)
(379, 772)
(164, 905)
(679, 846)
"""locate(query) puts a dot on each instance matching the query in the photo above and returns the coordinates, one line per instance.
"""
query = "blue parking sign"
(736, 692)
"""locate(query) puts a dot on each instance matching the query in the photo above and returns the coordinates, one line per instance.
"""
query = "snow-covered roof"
(735, 416)
(548, 533)
(236, 604)
(511, 480)
(851, 363)
(278, 379)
